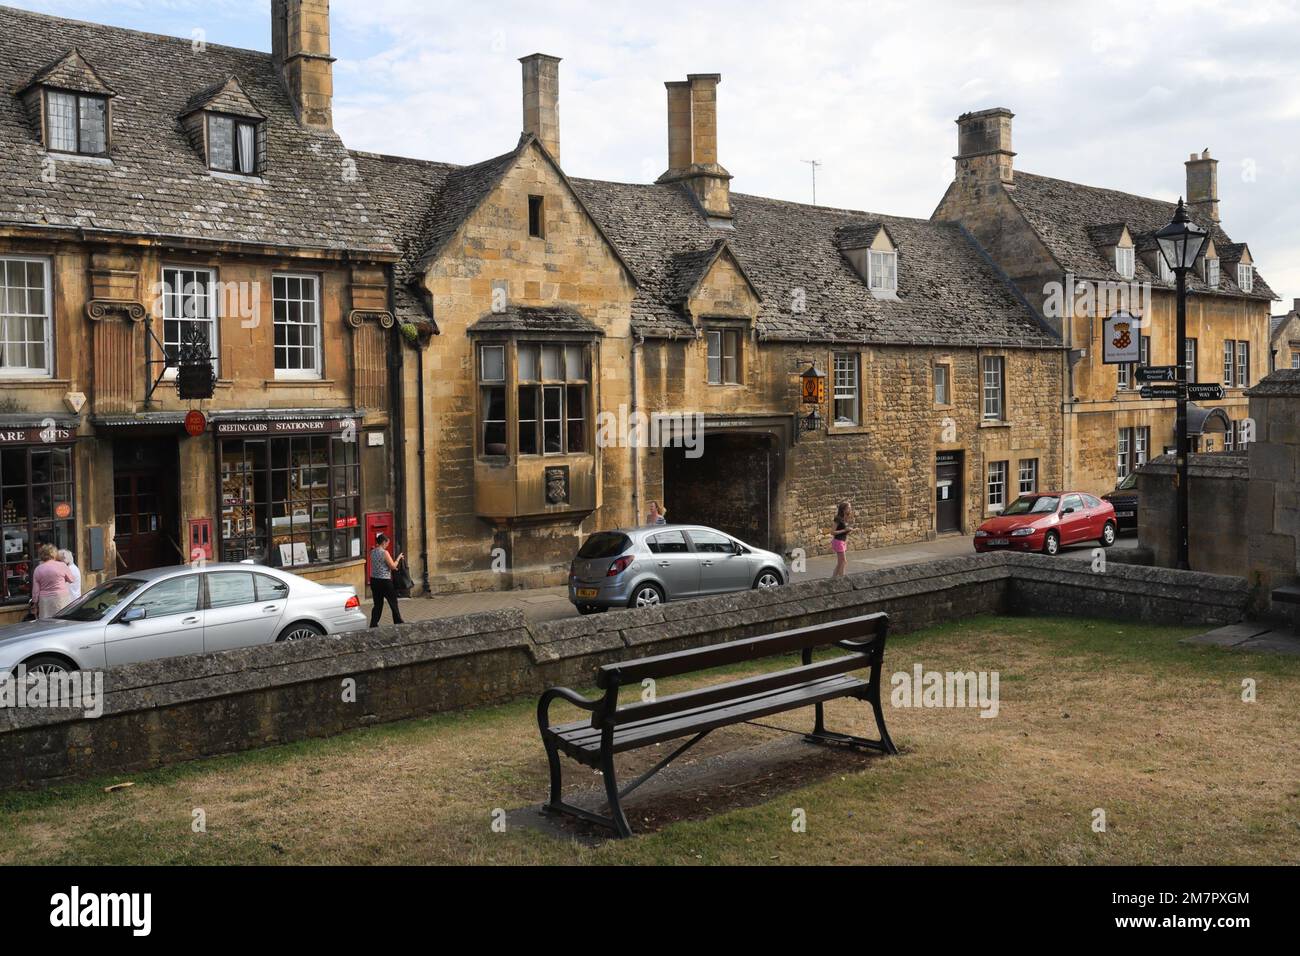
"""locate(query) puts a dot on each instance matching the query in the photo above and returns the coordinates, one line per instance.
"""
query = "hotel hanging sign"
(1121, 340)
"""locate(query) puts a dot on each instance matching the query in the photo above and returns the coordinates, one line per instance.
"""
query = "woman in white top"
(74, 588)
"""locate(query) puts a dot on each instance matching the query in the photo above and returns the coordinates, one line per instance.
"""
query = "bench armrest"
(572, 696)
(860, 646)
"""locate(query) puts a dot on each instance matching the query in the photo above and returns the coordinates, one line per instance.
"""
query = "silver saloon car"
(166, 612)
(641, 567)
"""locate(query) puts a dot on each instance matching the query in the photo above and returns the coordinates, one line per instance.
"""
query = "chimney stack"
(984, 157)
(542, 100)
(693, 144)
(1203, 186)
(300, 49)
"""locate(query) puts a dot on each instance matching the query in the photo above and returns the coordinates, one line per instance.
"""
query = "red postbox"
(378, 522)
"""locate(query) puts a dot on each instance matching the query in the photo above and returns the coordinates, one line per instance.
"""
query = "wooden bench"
(615, 729)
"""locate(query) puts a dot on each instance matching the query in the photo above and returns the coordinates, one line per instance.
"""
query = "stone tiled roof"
(949, 293)
(224, 97)
(157, 184)
(71, 72)
(535, 319)
(1070, 218)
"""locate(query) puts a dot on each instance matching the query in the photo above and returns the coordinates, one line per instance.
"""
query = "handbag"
(402, 578)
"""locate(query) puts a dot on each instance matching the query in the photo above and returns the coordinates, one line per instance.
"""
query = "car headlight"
(1022, 532)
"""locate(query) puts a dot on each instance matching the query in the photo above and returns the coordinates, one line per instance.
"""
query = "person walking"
(658, 514)
(840, 537)
(74, 589)
(50, 583)
(382, 567)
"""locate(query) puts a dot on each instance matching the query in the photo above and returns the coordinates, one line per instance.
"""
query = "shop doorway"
(146, 493)
(948, 495)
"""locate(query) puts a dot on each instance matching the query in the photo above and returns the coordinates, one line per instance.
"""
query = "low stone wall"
(163, 712)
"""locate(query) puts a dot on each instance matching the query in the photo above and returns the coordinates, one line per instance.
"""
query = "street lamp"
(813, 390)
(1181, 243)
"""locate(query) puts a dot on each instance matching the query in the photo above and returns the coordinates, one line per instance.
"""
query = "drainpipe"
(424, 491)
(637, 340)
(397, 417)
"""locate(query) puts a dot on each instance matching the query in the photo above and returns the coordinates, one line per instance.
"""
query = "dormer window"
(1212, 272)
(226, 128)
(1246, 276)
(882, 271)
(232, 144)
(1125, 261)
(76, 123)
(1162, 268)
(69, 105)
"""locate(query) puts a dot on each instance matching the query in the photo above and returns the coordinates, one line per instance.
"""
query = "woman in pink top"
(50, 583)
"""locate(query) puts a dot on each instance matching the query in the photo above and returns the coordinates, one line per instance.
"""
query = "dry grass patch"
(1093, 714)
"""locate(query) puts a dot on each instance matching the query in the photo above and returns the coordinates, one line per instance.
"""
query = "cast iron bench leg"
(611, 790)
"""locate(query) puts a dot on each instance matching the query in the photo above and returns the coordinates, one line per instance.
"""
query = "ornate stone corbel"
(97, 309)
(357, 316)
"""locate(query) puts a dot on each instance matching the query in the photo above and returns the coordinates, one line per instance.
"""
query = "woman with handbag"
(382, 567)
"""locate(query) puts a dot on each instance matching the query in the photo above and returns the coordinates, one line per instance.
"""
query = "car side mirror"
(133, 614)
(737, 548)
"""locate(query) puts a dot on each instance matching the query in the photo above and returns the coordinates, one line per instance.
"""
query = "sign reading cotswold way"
(1204, 392)
(1120, 341)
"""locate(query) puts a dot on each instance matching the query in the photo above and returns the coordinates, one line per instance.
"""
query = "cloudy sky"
(1112, 94)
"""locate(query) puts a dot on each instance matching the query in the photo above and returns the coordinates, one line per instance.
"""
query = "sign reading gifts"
(1121, 339)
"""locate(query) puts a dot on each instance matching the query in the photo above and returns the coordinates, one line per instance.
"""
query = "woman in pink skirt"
(840, 537)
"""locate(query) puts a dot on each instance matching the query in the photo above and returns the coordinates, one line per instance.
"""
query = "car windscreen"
(1037, 505)
(604, 544)
(97, 604)
(1129, 483)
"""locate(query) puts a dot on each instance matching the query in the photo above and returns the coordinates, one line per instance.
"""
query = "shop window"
(36, 508)
(289, 502)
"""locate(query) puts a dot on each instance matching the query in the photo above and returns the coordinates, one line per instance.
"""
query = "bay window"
(552, 399)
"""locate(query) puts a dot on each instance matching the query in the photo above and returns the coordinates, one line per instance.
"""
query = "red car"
(1046, 521)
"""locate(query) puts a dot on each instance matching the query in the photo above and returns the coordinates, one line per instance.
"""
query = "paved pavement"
(548, 604)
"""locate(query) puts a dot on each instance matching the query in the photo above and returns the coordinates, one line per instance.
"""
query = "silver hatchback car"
(166, 612)
(641, 567)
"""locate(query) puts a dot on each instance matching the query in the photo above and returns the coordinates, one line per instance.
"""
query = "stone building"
(568, 309)
(1284, 339)
(1044, 232)
(158, 191)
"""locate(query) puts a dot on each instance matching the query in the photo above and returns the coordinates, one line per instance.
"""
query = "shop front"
(37, 503)
(289, 494)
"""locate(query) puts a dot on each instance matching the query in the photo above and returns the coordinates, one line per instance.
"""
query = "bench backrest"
(868, 630)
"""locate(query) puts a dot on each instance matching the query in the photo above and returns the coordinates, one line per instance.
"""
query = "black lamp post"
(1181, 243)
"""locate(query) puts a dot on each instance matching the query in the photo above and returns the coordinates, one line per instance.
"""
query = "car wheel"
(767, 579)
(43, 665)
(1052, 543)
(1107, 535)
(645, 595)
(299, 632)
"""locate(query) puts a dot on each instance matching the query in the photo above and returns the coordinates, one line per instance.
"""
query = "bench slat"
(734, 690)
(861, 628)
(583, 741)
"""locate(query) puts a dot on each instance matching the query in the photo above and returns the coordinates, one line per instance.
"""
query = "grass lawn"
(1093, 714)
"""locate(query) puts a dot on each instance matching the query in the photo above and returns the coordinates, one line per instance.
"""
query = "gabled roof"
(1065, 215)
(226, 96)
(535, 319)
(1107, 235)
(466, 188)
(861, 235)
(691, 268)
(157, 184)
(70, 72)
